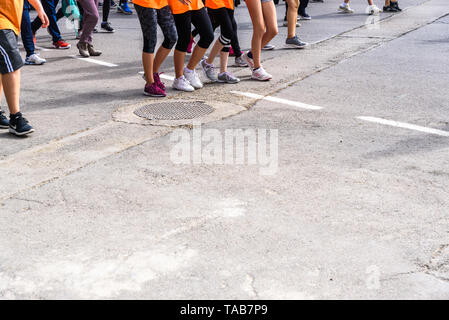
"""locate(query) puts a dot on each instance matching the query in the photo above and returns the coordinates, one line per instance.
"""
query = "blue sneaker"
(4, 122)
(19, 126)
(124, 8)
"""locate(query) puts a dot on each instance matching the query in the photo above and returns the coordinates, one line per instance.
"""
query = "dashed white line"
(278, 100)
(405, 126)
(102, 63)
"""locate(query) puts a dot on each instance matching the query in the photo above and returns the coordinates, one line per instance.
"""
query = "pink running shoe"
(189, 47)
(153, 90)
(157, 80)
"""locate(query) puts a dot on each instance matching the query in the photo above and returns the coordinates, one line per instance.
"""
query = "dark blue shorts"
(10, 58)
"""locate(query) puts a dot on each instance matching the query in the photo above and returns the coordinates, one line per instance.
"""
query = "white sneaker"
(373, 10)
(34, 59)
(345, 9)
(209, 70)
(249, 61)
(261, 75)
(193, 79)
(182, 84)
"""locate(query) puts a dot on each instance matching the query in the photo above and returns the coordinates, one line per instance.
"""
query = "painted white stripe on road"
(162, 76)
(405, 126)
(102, 63)
(278, 100)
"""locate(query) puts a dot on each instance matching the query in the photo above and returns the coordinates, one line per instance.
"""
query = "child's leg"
(183, 23)
(148, 24)
(227, 32)
(11, 84)
(269, 16)
(257, 19)
(201, 21)
(167, 25)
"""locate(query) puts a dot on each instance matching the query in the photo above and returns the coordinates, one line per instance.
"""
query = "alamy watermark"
(231, 147)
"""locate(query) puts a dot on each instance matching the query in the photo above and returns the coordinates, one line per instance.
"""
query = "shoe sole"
(14, 132)
(184, 90)
(296, 46)
(230, 82)
(254, 78)
(4, 127)
(246, 59)
(34, 64)
(63, 48)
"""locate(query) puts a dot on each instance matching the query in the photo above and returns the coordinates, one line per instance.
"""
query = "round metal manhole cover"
(175, 110)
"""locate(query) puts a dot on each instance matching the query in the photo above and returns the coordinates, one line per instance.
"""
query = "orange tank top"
(154, 4)
(177, 7)
(217, 4)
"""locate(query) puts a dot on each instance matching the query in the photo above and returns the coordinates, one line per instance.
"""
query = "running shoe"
(373, 10)
(295, 42)
(345, 9)
(124, 8)
(61, 44)
(239, 62)
(209, 70)
(106, 26)
(395, 5)
(268, 47)
(261, 75)
(157, 80)
(190, 46)
(249, 61)
(226, 77)
(83, 50)
(4, 122)
(153, 90)
(305, 16)
(389, 9)
(19, 126)
(193, 78)
(113, 4)
(182, 84)
(34, 59)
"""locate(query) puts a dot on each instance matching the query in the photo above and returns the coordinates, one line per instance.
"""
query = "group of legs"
(390, 6)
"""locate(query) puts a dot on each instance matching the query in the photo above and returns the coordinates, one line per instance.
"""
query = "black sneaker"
(389, 9)
(107, 27)
(19, 126)
(395, 5)
(4, 122)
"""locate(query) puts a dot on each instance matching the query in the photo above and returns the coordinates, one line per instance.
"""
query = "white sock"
(188, 70)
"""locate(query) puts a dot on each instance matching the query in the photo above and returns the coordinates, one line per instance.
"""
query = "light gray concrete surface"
(95, 208)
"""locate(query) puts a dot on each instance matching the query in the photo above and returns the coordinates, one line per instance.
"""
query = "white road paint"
(162, 76)
(102, 63)
(278, 100)
(405, 126)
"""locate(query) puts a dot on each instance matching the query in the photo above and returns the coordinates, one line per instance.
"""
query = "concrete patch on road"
(222, 110)
(91, 276)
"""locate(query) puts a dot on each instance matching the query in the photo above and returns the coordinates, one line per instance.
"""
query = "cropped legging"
(224, 18)
(149, 19)
(201, 21)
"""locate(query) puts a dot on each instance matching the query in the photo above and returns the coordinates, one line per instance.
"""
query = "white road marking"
(162, 76)
(405, 126)
(103, 63)
(278, 100)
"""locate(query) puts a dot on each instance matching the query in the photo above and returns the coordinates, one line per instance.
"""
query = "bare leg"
(147, 61)
(179, 58)
(269, 16)
(218, 46)
(224, 56)
(196, 57)
(292, 16)
(255, 12)
(11, 85)
(161, 55)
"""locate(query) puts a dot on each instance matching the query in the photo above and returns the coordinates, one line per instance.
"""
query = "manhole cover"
(175, 110)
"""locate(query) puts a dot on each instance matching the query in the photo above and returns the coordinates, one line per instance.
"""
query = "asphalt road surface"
(347, 195)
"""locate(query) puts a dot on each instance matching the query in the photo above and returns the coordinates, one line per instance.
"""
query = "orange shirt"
(177, 7)
(154, 4)
(11, 15)
(217, 4)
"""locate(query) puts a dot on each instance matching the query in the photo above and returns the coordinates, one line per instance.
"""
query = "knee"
(272, 32)
(169, 42)
(206, 38)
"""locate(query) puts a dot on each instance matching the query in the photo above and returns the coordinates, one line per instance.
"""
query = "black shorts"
(10, 58)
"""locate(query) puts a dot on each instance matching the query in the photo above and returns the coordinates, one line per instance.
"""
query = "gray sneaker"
(295, 42)
(226, 77)
(209, 70)
(239, 62)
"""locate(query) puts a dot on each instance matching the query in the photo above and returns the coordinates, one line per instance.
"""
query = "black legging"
(215, 24)
(201, 21)
(301, 9)
(106, 9)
